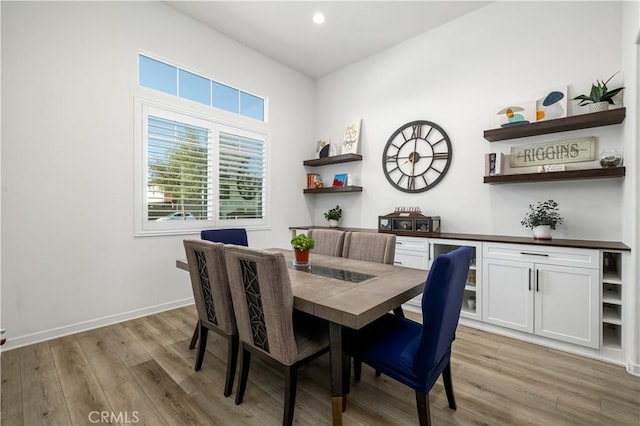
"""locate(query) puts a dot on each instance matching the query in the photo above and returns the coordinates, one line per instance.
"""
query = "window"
(176, 81)
(197, 172)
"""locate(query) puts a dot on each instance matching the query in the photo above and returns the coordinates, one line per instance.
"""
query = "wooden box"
(408, 223)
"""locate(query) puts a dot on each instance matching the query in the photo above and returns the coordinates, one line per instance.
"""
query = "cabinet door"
(566, 304)
(507, 295)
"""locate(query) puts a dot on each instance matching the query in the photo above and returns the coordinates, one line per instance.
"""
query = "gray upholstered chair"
(267, 323)
(327, 241)
(370, 246)
(210, 283)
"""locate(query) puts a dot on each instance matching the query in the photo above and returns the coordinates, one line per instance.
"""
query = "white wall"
(69, 75)
(458, 76)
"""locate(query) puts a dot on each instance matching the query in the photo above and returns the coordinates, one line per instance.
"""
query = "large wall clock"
(417, 156)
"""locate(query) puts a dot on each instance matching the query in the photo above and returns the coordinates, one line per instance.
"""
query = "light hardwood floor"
(142, 372)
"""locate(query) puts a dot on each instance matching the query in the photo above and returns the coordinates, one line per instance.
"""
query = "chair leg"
(194, 338)
(357, 369)
(290, 384)
(346, 379)
(244, 374)
(422, 402)
(448, 386)
(399, 312)
(202, 346)
(232, 358)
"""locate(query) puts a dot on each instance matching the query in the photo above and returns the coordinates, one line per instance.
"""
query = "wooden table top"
(346, 303)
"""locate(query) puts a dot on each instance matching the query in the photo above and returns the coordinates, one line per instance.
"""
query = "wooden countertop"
(586, 244)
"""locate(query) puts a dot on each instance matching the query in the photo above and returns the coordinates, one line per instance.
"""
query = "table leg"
(335, 340)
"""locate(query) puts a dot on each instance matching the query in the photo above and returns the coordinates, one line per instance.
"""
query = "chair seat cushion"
(390, 345)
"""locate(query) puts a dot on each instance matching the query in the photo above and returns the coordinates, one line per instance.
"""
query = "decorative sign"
(569, 151)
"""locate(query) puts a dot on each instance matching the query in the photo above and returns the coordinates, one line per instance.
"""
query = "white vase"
(333, 223)
(599, 106)
(542, 232)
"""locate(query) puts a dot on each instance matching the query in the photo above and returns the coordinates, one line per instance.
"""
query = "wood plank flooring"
(141, 372)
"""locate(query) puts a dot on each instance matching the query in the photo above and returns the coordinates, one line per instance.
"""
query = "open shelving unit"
(612, 300)
(325, 161)
(609, 172)
(575, 122)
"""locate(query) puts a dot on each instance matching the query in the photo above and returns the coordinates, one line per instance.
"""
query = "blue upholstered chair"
(412, 353)
(237, 236)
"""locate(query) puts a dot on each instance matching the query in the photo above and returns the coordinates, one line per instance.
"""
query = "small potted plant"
(542, 218)
(600, 96)
(301, 245)
(333, 216)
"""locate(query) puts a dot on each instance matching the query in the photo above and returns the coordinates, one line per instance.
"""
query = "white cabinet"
(612, 302)
(549, 291)
(413, 252)
(471, 302)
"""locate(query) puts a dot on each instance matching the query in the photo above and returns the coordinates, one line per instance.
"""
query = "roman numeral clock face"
(417, 156)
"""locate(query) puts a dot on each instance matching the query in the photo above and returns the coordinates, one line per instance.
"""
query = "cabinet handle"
(397, 262)
(534, 254)
(537, 280)
(529, 279)
(398, 243)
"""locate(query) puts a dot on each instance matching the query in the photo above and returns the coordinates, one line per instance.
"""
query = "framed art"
(351, 138)
(551, 104)
(340, 180)
(517, 114)
(322, 148)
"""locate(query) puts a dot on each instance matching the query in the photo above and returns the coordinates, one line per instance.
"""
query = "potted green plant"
(333, 216)
(301, 245)
(600, 96)
(542, 218)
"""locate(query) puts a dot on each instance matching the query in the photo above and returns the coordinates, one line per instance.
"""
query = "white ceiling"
(284, 31)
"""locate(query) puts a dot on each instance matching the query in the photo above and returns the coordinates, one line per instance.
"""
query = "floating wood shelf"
(344, 158)
(610, 172)
(333, 189)
(575, 122)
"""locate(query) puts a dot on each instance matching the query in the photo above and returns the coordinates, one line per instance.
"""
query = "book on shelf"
(314, 181)
(493, 164)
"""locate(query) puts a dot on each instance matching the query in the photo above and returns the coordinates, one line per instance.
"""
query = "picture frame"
(516, 114)
(340, 180)
(323, 148)
(551, 104)
(351, 138)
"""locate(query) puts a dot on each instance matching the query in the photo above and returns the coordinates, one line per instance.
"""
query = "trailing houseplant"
(333, 216)
(600, 95)
(301, 245)
(542, 218)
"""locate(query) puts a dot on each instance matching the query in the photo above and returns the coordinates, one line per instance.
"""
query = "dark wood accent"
(333, 189)
(575, 122)
(344, 158)
(609, 172)
(587, 244)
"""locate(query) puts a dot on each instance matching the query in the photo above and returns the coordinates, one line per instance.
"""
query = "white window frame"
(217, 123)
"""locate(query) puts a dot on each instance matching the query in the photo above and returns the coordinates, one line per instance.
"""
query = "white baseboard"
(54, 333)
(633, 368)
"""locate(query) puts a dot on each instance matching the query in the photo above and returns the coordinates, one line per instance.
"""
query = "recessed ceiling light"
(318, 18)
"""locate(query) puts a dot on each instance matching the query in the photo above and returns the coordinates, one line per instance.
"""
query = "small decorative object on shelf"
(340, 180)
(333, 216)
(323, 148)
(600, 97)
(408, 222)
(301, 245)
(542, 218)
(610, 158)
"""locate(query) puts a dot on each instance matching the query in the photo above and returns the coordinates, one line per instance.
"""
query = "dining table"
(346, 293)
